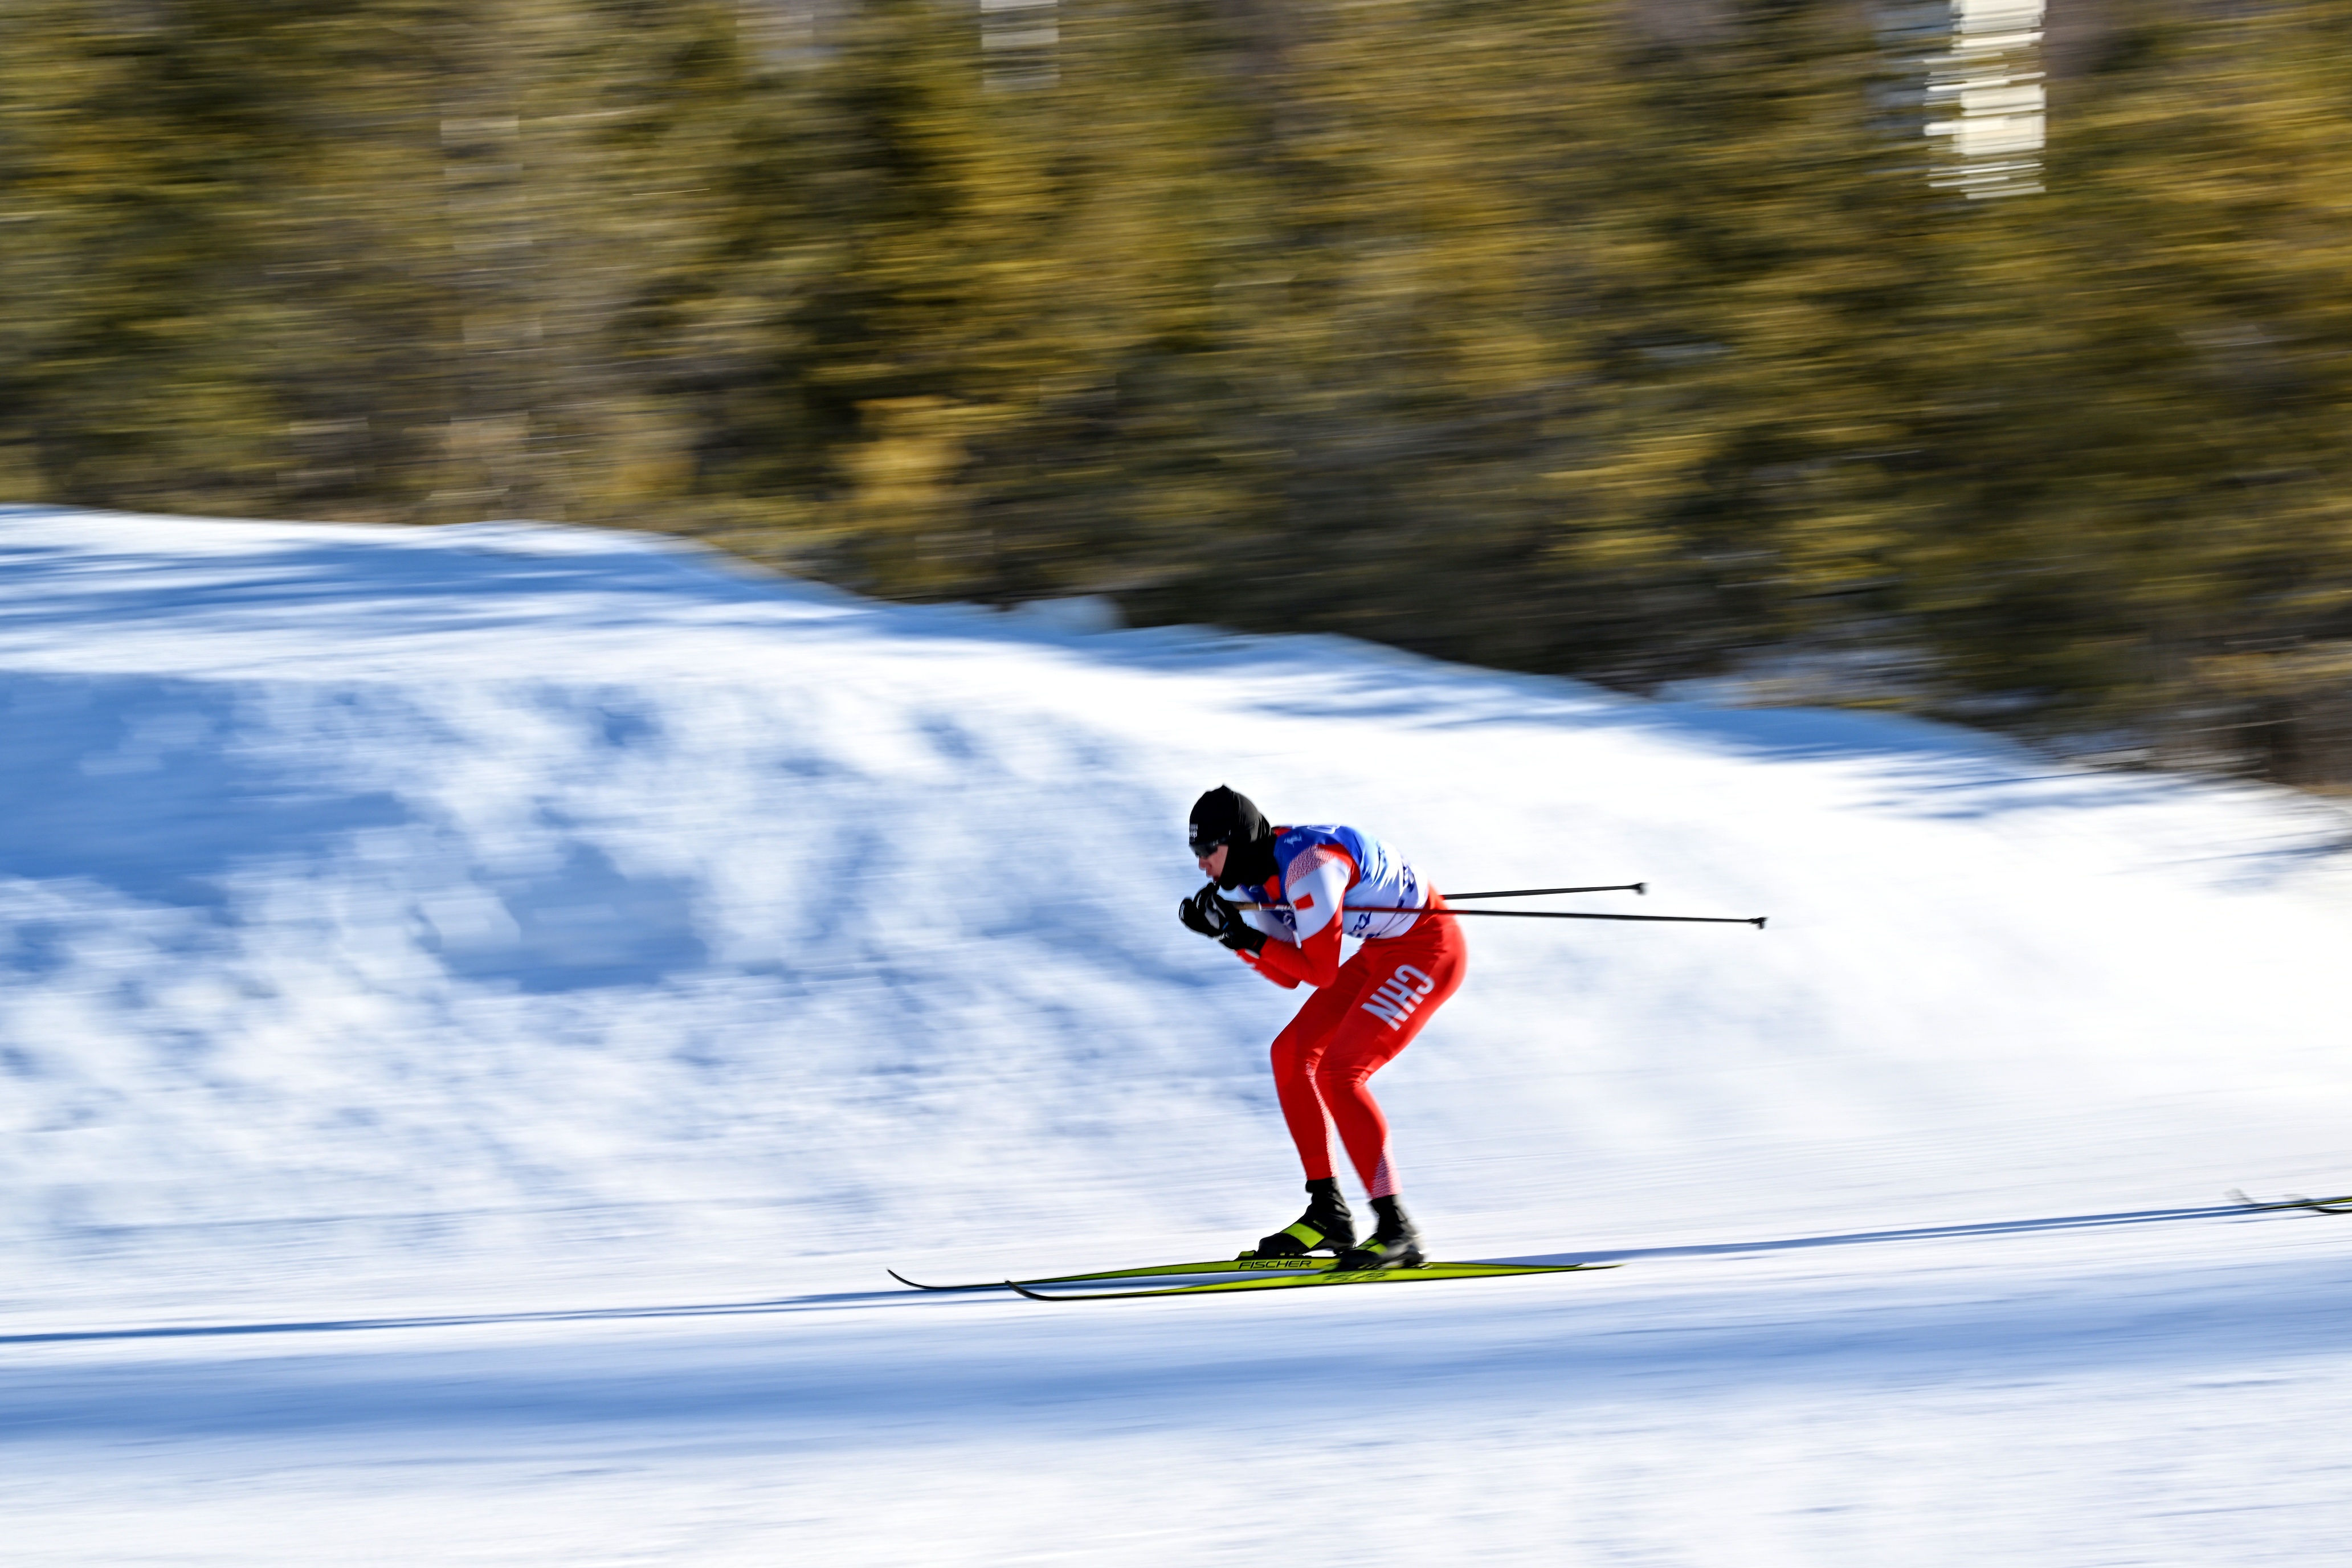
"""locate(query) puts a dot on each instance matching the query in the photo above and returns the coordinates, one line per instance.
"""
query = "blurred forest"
(1530, 332)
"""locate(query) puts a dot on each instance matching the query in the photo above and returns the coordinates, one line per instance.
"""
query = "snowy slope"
(511, 923)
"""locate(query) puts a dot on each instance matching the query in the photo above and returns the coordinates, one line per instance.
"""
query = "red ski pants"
(1351, 1029)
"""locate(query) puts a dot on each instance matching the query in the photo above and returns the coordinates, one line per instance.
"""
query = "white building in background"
(1987, 113)
(1018, 39)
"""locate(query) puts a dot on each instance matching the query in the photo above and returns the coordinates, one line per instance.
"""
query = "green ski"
(1220, 1265)
(1326, 1276)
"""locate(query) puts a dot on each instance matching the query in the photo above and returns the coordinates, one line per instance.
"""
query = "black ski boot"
(1393, 1243)
(1326, 1226)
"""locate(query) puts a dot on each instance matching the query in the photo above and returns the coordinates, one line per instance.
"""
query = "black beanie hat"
(1224, 817)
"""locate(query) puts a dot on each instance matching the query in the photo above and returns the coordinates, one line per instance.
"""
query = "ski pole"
(1643, 887)
(1756, 920)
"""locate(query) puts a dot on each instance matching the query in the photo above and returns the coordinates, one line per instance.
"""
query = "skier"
(1300, 889)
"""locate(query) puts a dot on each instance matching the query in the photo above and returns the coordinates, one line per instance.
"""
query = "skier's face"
(1213, 864)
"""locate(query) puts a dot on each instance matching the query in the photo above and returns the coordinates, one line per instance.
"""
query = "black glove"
(1199, 912)
(1212, 916)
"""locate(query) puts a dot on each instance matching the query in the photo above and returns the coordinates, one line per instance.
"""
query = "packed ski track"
(481, 1009)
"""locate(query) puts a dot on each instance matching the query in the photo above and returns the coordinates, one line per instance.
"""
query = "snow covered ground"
(481, 1007)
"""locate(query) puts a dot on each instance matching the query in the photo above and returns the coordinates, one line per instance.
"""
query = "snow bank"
(519, 897)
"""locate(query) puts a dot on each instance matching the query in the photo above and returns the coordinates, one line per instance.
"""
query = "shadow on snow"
(861, 1298)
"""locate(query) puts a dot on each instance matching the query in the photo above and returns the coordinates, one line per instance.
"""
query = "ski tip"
(2291, 1201)
(918, 1285)
(1033, 1295)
